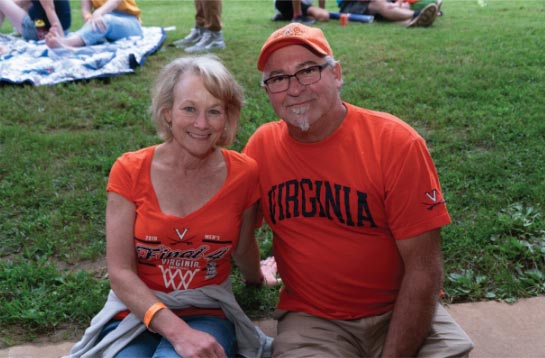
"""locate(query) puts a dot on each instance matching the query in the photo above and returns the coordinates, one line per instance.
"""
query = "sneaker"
(279, 17)
(210, 40)
(191, 39)
(439, 11)
(305, 20)
(425, 18)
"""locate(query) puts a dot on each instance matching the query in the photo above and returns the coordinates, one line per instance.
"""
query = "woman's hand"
(198, 344)
(269, 270)
(97, 22)
(56, 28)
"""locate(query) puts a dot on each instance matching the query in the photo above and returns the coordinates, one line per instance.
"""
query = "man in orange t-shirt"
(355, 206)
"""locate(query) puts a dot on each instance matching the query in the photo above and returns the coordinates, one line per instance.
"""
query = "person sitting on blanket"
(25, 15)
(397, 11)
(174, 216)
(105, 20)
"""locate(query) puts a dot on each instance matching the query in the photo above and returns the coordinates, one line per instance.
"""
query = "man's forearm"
(412, 315)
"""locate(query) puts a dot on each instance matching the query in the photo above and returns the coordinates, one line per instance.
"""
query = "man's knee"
(447, 338)
(304, 335)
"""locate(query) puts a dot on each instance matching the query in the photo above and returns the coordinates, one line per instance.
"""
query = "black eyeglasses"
(306, 76)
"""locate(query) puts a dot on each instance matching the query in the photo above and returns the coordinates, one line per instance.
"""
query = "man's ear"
(337, 70)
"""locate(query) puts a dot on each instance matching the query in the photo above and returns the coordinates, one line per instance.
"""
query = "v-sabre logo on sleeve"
(433, 199)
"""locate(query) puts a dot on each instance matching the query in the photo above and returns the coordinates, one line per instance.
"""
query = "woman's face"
(197, 118)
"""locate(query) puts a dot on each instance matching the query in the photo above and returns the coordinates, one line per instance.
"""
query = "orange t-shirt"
(178, 253)
(128, 6)
(337, 207)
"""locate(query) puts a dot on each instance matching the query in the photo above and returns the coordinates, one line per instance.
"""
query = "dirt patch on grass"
(97, 268)
(17, 336)
(14, 335)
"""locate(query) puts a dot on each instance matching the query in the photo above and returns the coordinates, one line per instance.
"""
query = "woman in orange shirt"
(174, 217)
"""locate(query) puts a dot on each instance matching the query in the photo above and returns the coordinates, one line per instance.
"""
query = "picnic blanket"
(34, 63)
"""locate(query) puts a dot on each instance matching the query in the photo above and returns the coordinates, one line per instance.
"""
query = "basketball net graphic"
(176, 278)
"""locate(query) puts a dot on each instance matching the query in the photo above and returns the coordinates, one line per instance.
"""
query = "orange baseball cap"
(294, 34)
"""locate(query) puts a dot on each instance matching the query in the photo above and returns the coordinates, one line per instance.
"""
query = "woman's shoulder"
(136, 158)
(138, 154)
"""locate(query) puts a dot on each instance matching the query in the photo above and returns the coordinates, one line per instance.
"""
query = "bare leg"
(297, 9)
(390, 11)
(24, 4)
(319, 14)
(14, 13)
(298, 16)
(53, 40)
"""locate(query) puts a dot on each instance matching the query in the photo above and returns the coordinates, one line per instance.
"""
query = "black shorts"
(284, 7)
(355, 7)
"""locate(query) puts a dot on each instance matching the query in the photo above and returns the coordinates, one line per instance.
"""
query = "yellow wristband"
(150, 313)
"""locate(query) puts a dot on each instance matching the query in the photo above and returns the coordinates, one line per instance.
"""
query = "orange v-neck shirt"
(178, 253)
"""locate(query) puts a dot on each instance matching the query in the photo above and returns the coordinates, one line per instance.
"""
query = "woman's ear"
(167, 114)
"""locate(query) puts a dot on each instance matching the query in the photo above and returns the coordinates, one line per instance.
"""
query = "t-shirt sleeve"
(252, 182)
(120, 179)
(257, 142)
(414, 201)
(250, 150)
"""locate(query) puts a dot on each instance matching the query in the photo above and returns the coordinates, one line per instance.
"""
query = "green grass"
(472, 85)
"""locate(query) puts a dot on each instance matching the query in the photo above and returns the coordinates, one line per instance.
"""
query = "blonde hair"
(217, 80)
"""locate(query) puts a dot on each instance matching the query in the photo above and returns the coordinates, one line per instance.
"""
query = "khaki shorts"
(303, 335)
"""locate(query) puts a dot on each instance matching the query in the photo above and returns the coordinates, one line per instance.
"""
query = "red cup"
(343, 20)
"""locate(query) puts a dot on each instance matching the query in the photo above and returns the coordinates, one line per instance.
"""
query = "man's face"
(303, 107)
